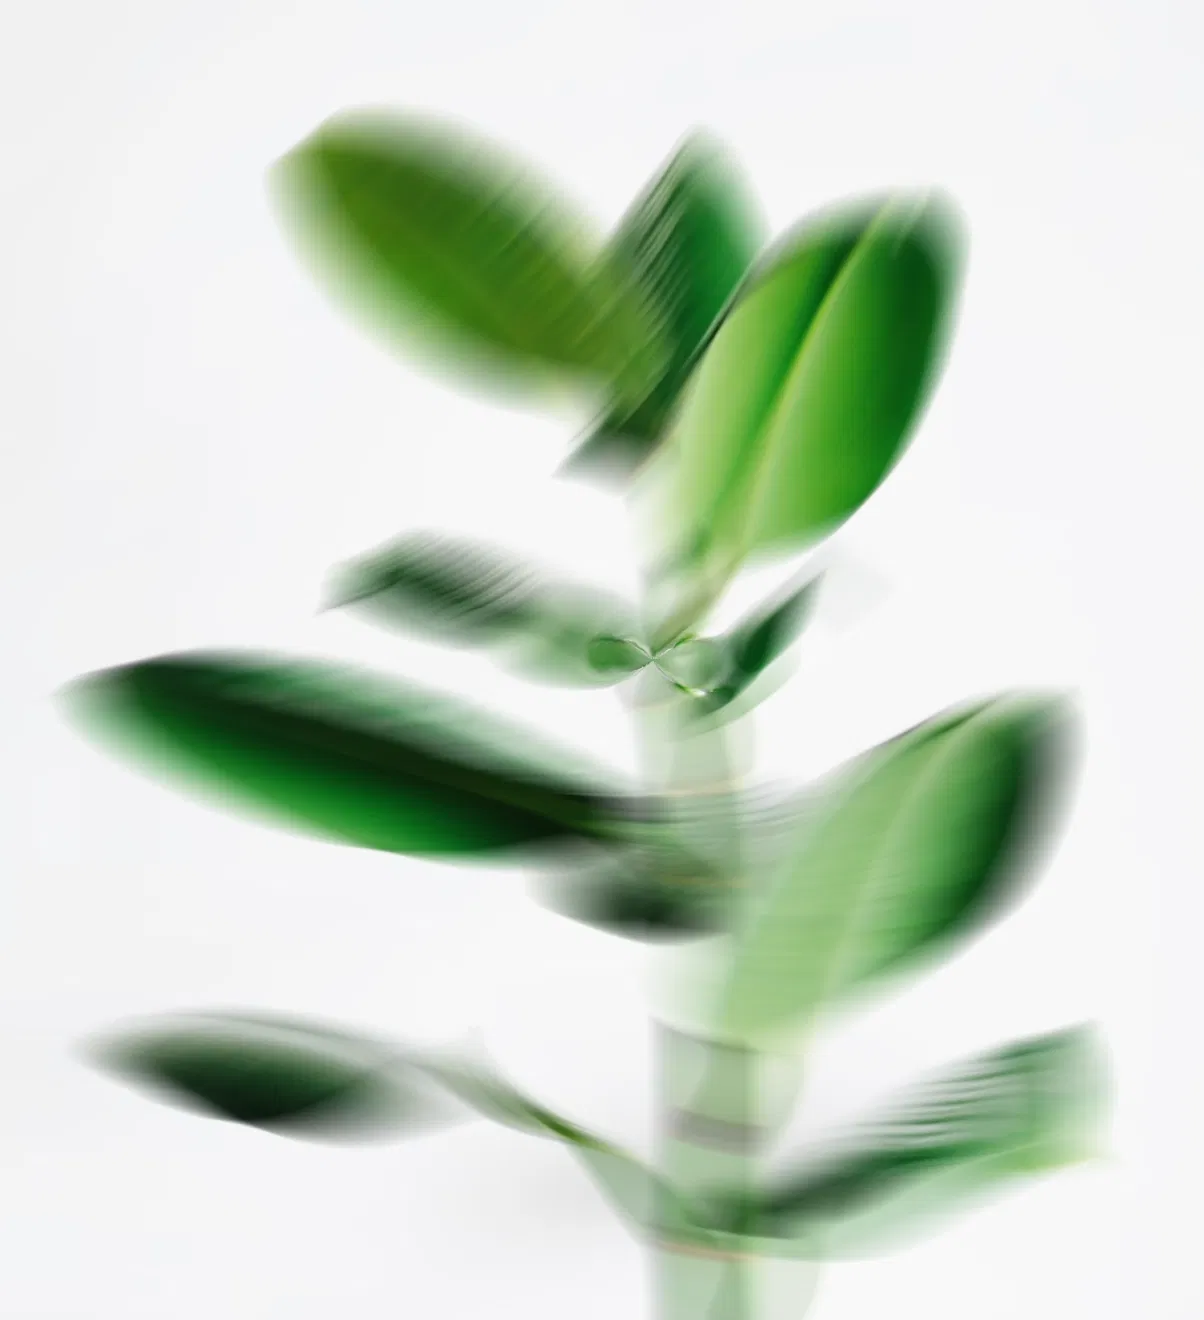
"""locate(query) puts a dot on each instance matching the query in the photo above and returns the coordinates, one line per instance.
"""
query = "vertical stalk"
(710, 1137)
(710, 1134)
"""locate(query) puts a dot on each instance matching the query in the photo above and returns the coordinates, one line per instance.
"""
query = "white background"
(192, 436)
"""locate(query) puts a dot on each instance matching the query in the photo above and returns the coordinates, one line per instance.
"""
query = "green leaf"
(1028, 1108)
(463, 592)
(695, 665)
(616, 655)
(810, 388)
(439, 235)
(304, 1080)
(922, 840)
(690, 239)
(760, 639)
(647, 894)
(638, 1192)
(339, 752)
(576, 637)
(454, 589)
(294, 1080)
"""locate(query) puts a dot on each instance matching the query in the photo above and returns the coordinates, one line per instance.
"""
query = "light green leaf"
(440, 236)
(464, 592)
(341, 753)
(689, 239)
(1029, 1108)
(809, 390)
(576, 637)
(454, 589)
(922, 840)
(619, 656)
(695, 665)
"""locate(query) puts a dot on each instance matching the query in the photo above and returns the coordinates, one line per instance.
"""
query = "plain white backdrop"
(193, 436)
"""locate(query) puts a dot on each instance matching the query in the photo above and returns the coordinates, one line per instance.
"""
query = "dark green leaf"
(642, 894)
(304, 1080)
(809, 390)
(1027, 1108)
(690, 239)
(440, 235)
(921, 841)
(757, 641)
(343, 754)
(742, 656)
(289, 1079)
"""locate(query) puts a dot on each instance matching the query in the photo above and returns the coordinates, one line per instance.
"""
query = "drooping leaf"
(654, 895)
(286, 1078)
(922, 840)
(467, 593)
(441, 236)
(689, 239)
(343, 754)
(808, 391)
(309, 1081)
(638, 1192)
(1030, 1107)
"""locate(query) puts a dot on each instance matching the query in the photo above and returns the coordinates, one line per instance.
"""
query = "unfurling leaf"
(689, 240)
(442, 237)
(616, 655)
(920, 842)
(1024, 1109)
(349, 756)
(758, 640)
(807, 393)
(466, 593)
(697, 665)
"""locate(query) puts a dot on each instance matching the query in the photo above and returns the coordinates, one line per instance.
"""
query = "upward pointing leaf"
(809, 390)
(345, 755)
(437, 234)
(760, 639)
(690, 240)
(920, 842)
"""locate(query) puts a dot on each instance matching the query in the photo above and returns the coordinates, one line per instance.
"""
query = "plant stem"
(710, 1137)
(709, 1131)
